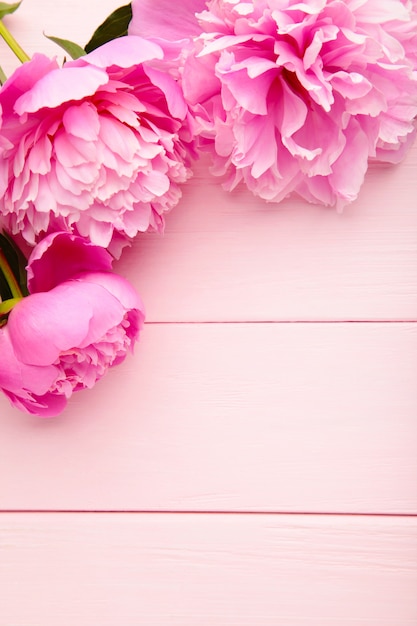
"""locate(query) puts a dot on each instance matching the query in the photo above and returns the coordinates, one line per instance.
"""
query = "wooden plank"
(184, 570)
(230, 257)
(235, 258)
(231, 417)
(75, 20)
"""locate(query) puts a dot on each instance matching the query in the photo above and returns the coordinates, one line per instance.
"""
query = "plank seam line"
(318, 322)
(220, 512)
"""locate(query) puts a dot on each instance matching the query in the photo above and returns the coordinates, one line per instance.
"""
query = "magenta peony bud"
(78, 320)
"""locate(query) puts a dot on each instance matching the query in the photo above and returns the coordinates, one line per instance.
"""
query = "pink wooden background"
(255, 462)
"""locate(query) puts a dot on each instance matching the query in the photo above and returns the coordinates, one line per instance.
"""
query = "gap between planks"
(213, 513)
(278, 322)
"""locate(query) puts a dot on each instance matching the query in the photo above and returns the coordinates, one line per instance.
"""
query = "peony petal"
(170, 88)
(24, 78)
(45, 201)
(117, 286)
(350, 85)
(119, 138)
(39, 157)
(59, 86)
(294, 112)
(46, 405)
(44, 324)
(389, 153)
(199, 80)
(107, 311)
(257, 149)
(19, 378)
(70, 316)
(256, 66)
(250, 93)
(321, 36)
(166, 19)
(350, 168)
(312, 80)
(380, 11)
(99, 232)
(82, 121)
(61, 256)
(224, 42)
(312, 7)
(124, 52)
(155, 182)
(66, 152)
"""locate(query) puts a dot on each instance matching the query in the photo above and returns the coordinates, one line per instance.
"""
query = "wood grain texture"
(231, 416)
(34, 19)
(231, 257)
(205, 570)
(226, 417)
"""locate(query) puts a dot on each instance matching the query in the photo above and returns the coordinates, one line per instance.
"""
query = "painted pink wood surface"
(36, 19)
(205, 570)
(225, 417)
(294, 417)
(229, 257)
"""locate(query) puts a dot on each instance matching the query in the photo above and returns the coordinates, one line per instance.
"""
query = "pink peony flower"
(79, 320)
(98, 147)
(165, 21)
(299, 96)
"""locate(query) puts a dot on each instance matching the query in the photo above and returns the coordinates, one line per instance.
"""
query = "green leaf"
(73, 49)
(5, 291)
(113, 27)
(9, 250)
(6, 9)
(17, 262)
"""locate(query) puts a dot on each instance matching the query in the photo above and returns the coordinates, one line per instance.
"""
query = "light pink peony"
(299, 96)
(79, 320)
(98, 147)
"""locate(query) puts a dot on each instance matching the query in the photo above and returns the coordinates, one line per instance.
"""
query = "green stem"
(9, 276)
(7, 305)
(12, 43)
(3, 77)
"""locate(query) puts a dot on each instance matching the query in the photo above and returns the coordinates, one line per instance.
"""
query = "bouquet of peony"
(92, 153)
(287, 96)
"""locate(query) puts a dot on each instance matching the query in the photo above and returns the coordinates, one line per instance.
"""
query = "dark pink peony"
(79, 320)
(98, 147)
(299, 96)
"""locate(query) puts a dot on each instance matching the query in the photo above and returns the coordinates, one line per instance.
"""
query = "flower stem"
(9, 276)
(12, 43)
(3, 77)
(7, 305)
